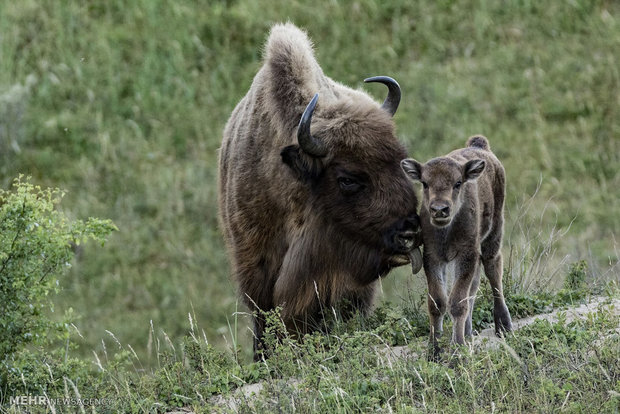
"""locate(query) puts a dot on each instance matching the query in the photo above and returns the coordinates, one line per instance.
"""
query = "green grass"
(123, 104)
(544, 367)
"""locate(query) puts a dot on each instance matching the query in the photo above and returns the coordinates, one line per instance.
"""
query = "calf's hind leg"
(475, 284)
(493, 269)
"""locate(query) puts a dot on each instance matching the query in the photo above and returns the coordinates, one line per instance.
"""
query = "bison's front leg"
(258, 300)
(255, 278)
(259, 339)
(465, 272)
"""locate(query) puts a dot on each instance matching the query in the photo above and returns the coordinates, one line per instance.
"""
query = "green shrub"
(576, 279)
(37, 244)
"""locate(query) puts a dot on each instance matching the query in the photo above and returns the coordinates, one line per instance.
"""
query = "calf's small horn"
(390, 105)
(311, 145)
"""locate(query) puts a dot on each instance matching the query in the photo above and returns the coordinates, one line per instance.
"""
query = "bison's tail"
(478, 141)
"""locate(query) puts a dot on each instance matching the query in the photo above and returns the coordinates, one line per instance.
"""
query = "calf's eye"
(425, 185)
(457, 185)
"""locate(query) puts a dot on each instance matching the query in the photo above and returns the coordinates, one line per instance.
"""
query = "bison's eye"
(348, 185)
(457, 185)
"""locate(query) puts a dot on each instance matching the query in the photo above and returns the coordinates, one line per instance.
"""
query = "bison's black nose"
(440, 210)
(403, 242)
(404, 236)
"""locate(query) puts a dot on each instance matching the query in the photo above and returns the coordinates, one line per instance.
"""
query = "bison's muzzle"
(403, 241)
(404, 236)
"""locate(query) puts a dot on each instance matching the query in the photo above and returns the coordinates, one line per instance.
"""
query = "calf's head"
(442, 180)
(350, 165)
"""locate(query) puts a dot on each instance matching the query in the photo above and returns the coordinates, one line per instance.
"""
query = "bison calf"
(462, 218)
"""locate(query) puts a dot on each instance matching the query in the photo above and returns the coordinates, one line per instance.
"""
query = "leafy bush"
(37, 244)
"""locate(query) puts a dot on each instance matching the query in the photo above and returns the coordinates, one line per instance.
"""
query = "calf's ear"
(412, 168)
(473, 169)
(304, 167)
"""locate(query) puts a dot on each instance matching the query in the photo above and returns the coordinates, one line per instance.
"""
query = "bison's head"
(442, 179)
(350, 165)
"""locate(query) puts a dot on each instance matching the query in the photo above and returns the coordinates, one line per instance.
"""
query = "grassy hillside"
(123, 104)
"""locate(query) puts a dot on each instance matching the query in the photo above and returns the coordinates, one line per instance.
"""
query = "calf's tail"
(478, 141)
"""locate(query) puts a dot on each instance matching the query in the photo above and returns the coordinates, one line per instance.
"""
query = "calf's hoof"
(503, 322)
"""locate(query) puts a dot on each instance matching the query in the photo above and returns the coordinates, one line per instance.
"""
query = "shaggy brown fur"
(310, 232)
(462, 218)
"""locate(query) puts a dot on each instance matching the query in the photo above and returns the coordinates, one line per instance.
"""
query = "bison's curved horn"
(311, 145)
(393, 99)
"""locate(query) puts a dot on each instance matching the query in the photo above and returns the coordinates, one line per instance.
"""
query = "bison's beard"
(322, 266)
(368, 257)
(366, 262)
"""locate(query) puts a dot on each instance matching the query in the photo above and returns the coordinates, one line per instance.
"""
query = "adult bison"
(313, 203)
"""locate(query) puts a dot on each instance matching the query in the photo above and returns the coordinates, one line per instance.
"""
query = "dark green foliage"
(576, 279)
(37, 244)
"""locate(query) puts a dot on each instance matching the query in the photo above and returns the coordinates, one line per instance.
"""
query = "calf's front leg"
(437, 300)
(466, 270)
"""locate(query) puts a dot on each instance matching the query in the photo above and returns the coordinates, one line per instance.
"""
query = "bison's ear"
(412, 168)
(305, 168)
(473, 169)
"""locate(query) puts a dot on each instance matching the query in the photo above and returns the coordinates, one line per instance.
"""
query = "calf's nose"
(440, 210)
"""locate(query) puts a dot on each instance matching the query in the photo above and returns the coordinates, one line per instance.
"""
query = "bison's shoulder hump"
(292, 75)
(290, 58)
(288, 43)
(285, 36)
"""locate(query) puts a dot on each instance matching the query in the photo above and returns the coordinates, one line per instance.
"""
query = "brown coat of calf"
(314, 207)
(462, 218)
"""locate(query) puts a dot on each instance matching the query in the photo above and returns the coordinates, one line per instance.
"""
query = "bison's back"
(247, 160)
